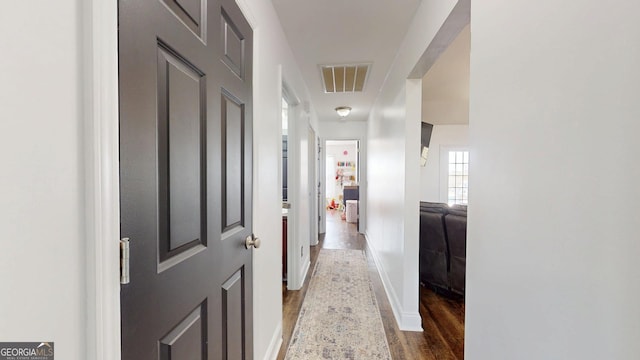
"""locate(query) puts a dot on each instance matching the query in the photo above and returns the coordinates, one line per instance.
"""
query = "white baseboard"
(305, 270)
(274, 344)
(407, 321)
(297, 285)
(411, 322)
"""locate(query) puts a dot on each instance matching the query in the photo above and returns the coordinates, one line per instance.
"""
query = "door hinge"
(124, 261)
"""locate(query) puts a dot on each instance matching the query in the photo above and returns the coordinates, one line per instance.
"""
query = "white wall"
(394, 158)
(42, 214)
(552, 256)
(337, 150)
(273, 64)
(443, 136)
(343, 129)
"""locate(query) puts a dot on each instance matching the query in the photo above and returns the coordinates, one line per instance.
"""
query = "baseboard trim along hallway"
(274, 344)
(407, 321)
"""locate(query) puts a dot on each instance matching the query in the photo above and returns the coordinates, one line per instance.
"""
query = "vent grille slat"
(350, 78)
(344, 78)
(339, 76)
(361, 77)
(327, 76)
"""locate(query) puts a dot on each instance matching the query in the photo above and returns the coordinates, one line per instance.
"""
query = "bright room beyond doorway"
(342, 178)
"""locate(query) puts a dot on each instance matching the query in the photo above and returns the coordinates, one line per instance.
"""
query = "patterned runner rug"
(339, 318)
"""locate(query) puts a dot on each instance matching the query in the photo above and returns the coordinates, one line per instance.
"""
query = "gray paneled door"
(185, 164)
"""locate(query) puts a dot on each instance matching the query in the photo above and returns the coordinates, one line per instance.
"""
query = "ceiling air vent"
(344, 78)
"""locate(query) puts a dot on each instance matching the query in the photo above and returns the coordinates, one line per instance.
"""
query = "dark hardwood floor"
(442, 318)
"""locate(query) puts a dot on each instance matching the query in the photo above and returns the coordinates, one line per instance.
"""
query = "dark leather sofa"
(434, 250)
(443, 243)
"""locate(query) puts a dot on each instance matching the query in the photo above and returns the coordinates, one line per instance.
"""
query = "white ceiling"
(345, 32)
(445, 87)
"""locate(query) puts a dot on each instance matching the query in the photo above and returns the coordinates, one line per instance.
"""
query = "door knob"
(252, 241)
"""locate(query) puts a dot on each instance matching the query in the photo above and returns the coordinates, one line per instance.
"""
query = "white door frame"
(100, 19)
(293, 263)
(313, 185)
(362, 178)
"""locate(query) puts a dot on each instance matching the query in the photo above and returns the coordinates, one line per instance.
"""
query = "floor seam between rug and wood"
(339, 317)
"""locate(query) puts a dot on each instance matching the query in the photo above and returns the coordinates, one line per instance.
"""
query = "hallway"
(442, 319)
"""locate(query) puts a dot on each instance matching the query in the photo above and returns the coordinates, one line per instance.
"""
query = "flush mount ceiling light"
(343, 111)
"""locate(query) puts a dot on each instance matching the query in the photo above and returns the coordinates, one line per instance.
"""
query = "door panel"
(233, 163)
(188, 340)
(233, 306)
(191, 13)
(233, 44)
(185, 168)
(181, 149)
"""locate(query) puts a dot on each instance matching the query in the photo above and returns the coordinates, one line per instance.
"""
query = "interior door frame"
(102, 198)
(362, 177)
(298, 120)
(313, 184)
(100, 108)
(292, 100)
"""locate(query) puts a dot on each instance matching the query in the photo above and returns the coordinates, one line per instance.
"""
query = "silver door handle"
(252, 242)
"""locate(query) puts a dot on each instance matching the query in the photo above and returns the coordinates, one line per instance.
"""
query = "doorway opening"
(342, 176)
(297, 172)
(286, 205)
(444, 187)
